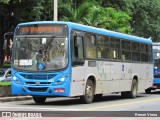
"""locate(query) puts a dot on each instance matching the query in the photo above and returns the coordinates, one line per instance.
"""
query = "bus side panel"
(115, 76)
(80, 74)
(77, 81)
(144, 73)
(126, 77)
(110, 77)
(137, 71)
(103, 76)
(147, 75)
(150, 78)
(94, 69)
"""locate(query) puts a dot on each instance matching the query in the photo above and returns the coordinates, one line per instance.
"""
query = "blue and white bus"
(156, 81)
(73, 60)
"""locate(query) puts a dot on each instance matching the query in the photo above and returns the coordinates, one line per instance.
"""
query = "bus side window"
(77, 50)
(90, 46)
(78, 47)
(115, 52)
(135, 51)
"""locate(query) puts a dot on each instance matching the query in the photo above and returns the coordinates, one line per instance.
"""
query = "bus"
(156, 81)
(65, 59)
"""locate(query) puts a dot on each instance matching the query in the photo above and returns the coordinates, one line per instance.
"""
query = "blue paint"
(122, 67)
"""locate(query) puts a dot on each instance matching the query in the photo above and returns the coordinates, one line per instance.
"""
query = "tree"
(144, 14)
(4, 1)
(74, 12)
(146, 18)
(108, 18)
(16, 11)
(94, 15)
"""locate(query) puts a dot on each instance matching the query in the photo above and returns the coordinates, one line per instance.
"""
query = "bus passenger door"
(77, 69)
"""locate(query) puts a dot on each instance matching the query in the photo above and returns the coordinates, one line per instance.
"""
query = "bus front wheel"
(39, 100)
(89, 93)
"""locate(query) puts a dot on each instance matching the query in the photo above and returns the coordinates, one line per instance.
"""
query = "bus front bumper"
(18, 89)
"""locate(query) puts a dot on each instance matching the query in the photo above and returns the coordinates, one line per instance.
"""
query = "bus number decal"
(122, 67)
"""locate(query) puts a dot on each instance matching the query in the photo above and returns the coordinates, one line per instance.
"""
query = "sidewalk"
(15, 98)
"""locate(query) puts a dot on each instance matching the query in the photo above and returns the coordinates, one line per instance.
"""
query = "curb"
(15, 98)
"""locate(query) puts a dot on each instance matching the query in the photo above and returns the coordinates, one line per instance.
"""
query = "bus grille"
(41, 83)
(38, 77)
(37, 89)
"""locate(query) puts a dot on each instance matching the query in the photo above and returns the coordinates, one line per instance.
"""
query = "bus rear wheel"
(39, 100)
(134, 88)
(133, 92)
(97, 97)
(89, 93)
(148, 91)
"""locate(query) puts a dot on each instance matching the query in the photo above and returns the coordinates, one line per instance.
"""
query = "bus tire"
(123, 94)
(148, 91)
(89, 93)
(39, 100)
(134, 88)
(97, 97)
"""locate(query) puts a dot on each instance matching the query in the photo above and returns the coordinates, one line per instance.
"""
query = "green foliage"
(4, 1)
(94, 15)
(5, 83)
(108, 18)
(144, 14)
(73, 11)
(146, 20)
(139, 17)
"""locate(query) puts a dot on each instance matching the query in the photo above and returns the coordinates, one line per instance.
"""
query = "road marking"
(122, 104)
(61, 109)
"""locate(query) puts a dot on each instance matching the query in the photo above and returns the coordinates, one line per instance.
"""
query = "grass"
(5, 83)
(7, 64)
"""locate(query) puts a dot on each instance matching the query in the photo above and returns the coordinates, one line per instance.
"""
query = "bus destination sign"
(41, 29)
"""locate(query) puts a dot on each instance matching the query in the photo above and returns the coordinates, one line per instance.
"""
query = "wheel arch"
(135, 77)
(93, 79)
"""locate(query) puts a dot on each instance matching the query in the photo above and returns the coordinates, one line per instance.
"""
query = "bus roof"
(102, 31)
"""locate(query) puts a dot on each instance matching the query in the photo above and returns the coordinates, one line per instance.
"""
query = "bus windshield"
(156, 61)
(40, 53)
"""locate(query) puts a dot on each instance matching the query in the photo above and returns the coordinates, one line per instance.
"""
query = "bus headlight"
(16, 80)
(61, 80)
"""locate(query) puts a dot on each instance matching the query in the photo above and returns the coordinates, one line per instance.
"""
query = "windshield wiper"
(57, 44)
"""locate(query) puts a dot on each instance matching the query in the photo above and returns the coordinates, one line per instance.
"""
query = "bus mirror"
(5, 44)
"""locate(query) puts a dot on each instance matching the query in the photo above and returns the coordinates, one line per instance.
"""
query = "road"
(144, 104)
